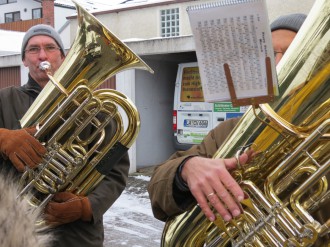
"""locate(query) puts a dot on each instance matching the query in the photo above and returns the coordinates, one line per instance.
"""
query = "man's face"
(42, 48)
(281, 39)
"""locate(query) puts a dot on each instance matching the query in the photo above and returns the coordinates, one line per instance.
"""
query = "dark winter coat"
(14, 102)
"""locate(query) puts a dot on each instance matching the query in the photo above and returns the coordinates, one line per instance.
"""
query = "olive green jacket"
(14, 102)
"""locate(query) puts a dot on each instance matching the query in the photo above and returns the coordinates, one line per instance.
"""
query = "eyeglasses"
(36, 49)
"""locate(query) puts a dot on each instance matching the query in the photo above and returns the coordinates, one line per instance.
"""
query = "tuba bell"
(286, 181)
(69, 106)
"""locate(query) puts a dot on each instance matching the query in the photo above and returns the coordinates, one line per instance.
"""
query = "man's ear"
(24, 62)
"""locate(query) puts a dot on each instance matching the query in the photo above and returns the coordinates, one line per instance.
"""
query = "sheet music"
(235, 32)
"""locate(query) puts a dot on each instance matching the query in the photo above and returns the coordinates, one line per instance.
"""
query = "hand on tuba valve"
(286, 181)
(21, 148)
(214, 188)
(67, 207)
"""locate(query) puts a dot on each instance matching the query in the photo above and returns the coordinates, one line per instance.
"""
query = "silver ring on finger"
(209, 195)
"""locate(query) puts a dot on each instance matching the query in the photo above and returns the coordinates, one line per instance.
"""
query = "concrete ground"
(130, 222)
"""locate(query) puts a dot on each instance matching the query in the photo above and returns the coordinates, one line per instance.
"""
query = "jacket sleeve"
(160, 187)
(111, 186)
(109, 189)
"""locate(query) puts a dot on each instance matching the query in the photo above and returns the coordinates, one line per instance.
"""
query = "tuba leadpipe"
(286, 181)
(72, 116)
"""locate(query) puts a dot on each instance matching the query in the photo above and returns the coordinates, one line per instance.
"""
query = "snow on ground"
(130, 222)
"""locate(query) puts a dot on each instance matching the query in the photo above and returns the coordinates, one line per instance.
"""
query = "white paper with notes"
(235, 32)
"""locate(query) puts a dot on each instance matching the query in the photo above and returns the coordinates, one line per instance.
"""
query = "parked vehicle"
(192, 117)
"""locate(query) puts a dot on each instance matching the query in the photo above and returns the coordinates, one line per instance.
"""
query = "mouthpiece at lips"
(45, 65)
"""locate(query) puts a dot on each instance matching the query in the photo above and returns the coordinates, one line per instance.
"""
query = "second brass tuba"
(286, 182)
(72, 115)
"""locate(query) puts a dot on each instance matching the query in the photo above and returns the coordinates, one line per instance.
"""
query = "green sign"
(225, 107)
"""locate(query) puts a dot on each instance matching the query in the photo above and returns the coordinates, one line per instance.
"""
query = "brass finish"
(286, 181)
(72, 117)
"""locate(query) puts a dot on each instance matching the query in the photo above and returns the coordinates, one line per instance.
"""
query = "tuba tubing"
(72, 116)
(286, 181)
(95, 55)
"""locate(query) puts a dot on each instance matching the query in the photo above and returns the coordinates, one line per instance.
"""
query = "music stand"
(255, 101)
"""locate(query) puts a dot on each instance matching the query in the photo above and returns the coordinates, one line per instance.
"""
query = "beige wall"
(144, 23)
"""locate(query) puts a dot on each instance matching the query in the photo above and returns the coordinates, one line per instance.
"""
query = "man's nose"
(42, 52)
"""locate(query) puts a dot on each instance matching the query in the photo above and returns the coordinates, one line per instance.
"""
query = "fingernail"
(212, 218)
(236, 213)
(227, 217)
(240, 198)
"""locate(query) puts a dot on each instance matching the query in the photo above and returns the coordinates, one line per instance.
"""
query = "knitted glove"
(67, 207)
(21, 147)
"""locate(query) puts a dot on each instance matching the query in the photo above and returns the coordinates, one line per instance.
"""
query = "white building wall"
(125, 82)
(283, 7)
(141, 23)
(61, 25)
(24, 74)
(60, 14)
(144, 23)
(65, 36)
(24, 6)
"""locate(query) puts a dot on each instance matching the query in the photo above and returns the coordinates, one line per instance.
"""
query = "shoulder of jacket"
(8, 90)
(228, 124)
(11, 91)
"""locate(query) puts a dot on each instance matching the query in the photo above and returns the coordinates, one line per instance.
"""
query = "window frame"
(170, 22)
(13, 16)
(40, 12)
(7, 2)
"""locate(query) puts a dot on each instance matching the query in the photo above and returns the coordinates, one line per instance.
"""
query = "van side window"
(191, 87)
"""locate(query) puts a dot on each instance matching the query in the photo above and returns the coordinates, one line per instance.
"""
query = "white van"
(192, 117)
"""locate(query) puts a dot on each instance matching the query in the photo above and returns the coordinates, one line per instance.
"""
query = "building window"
(7, 1)
(170, 22)
(13, 16)
(37, 13)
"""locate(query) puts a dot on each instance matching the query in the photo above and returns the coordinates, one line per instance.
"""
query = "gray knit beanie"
(291, 22)
(41, 29)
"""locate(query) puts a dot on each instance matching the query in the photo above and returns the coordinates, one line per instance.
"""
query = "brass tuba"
(72, 115)
(286, 182)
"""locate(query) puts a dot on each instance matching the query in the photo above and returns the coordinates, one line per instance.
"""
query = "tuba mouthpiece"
(45, 65)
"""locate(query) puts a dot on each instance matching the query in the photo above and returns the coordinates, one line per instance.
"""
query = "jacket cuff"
(178, 181)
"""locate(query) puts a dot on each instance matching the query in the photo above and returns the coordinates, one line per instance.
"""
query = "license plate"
(195, 123)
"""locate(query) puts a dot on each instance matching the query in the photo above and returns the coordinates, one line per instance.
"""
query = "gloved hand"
(67, 207)
(21, 147)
